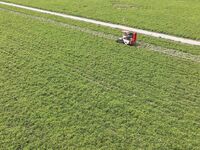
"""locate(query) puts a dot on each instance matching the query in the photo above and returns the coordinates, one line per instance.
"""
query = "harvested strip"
(170, 52)
(111, 25)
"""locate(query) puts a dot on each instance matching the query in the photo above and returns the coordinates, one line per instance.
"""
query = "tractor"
(128, 38)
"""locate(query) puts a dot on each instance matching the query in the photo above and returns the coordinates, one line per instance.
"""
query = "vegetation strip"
(149, 33)
(170, 52)
(66, 89)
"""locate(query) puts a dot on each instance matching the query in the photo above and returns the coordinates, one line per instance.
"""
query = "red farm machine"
(128, 38)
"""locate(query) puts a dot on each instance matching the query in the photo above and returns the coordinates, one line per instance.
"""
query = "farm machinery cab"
(128, 38)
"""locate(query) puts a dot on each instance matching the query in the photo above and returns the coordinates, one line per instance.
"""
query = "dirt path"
(121, 27)
(151, 47)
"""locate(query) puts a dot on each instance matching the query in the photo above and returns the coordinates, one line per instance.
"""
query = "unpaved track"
(121, 27)
(169, 52)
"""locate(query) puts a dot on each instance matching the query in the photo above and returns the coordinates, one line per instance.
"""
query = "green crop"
(141, 38)
(178, 17)
(61, 88)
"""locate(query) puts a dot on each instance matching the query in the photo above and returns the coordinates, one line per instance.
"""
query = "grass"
(155, 41)
(64, 89)
(176, 17)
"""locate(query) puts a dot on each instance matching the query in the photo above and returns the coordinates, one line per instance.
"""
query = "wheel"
(120, 40)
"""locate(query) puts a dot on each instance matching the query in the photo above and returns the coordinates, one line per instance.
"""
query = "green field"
(61, 88)
(195, 50)
(178, 17)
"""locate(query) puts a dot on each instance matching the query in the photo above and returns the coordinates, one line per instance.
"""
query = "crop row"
(63, 88)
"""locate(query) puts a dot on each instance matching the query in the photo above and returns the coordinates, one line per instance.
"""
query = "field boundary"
(116, 26)
(146, 46)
